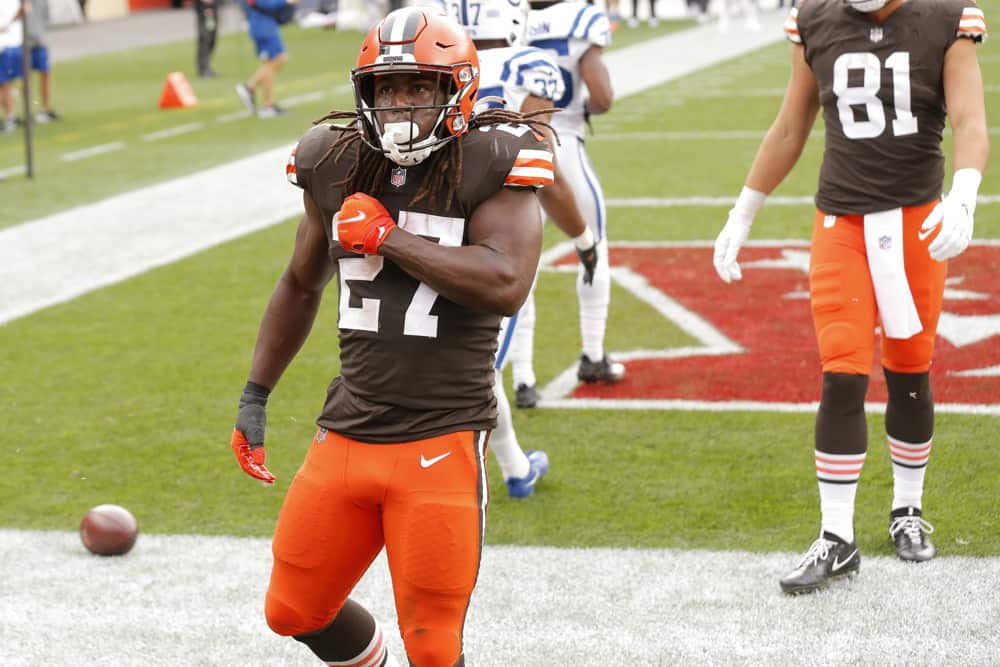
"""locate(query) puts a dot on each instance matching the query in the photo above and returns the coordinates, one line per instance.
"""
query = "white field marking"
(992, 410)
(230, 117)
(694, 93)
(988, 372)
(13, 171)
(701, 135)
(674, 202)
(92, 151)
(958, 330)
(172, 131)
(95, 245)
(305, 98)
(185, 599)
(701, 47)
(65, 240)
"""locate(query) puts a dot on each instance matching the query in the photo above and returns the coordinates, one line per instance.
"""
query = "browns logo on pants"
(843, 299)
(424, 500)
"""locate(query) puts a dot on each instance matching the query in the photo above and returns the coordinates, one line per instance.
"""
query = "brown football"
(108, 530)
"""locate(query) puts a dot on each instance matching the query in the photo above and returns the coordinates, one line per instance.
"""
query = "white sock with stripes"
(838, 476)
(909, 464)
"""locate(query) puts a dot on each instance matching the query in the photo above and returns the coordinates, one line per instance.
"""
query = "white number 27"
(418, 320)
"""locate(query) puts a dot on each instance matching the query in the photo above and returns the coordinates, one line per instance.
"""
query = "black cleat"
(828, 558)
(604, 370)
(909, 531)
(526, 396)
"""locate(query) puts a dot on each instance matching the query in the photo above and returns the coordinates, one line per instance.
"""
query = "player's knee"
(911, 356)
(284, 619)
(843, 393)
(840, 347)
(433, 647)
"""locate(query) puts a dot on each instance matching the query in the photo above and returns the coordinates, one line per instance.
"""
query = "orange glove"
(363, 224)
(248, 434)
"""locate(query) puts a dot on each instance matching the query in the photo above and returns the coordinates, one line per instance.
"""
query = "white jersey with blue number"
(567, 30)
(515, 72)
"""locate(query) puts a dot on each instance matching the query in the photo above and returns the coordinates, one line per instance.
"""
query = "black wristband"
(254, 394)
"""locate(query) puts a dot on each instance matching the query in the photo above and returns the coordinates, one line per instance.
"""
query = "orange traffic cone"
(177, 92)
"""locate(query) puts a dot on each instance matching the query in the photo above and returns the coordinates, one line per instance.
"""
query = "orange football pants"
(843, 302)
(424, 500)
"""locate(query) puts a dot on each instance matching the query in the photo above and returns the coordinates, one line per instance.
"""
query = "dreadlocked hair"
(370, 169)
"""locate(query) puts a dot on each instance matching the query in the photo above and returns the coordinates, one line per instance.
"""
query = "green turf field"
(128, 394)
(99, 110)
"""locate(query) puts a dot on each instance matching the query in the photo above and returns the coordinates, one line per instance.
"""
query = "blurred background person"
(264, 18)
(36, 24)
(11, 39)
(633, 21)
(207, 22)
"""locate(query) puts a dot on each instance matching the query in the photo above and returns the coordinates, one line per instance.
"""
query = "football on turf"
(108, 530)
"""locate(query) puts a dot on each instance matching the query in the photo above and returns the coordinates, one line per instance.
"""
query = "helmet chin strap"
(402, 134)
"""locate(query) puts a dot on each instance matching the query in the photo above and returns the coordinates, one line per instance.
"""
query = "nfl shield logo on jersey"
(884, 242)
(876, 34)
(398, 177)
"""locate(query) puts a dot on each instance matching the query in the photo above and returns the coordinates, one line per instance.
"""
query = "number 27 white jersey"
(515, 72)
(566, 30)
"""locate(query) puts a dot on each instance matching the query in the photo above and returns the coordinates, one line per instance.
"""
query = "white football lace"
(820, 550)
(911, 526)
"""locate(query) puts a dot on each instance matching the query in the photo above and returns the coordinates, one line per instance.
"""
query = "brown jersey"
(413, 364)
(881, 89)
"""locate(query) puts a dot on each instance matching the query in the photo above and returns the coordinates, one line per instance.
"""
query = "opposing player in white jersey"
(575, 34)
(523, 79)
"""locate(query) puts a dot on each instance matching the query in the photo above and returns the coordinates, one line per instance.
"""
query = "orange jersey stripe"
(536, 181)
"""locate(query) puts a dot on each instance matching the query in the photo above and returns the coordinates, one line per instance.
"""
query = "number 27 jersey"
(881, 89)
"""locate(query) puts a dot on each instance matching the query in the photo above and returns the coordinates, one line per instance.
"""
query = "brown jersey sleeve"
(971, 22)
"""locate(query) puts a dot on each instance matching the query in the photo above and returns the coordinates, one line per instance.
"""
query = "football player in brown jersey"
(883, 72)
(428, 215)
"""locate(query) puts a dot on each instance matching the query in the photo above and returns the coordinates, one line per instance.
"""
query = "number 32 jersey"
(881, 89)
(414, 365)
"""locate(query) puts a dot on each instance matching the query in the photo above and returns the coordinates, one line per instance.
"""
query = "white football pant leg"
(503, 441)
(522, 344)
(595, 298)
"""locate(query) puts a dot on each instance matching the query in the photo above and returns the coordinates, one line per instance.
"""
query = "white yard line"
(185, 600)
(173, 131)
(100, 149)
(673, 202)
(99, 244)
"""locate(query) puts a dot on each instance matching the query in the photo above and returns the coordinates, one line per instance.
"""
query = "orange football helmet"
(424, 40)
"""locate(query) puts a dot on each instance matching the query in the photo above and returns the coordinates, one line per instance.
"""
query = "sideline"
(99, 244)
(184, 600)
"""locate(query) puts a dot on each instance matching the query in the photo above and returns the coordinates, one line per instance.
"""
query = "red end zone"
(767, 314)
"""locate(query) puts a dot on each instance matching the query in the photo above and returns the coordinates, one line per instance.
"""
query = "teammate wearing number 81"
(884, 73)
(428, 214)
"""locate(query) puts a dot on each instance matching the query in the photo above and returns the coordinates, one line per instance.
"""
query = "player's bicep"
(311, 267)
(509, 224)
(801, 101)
(963, 85)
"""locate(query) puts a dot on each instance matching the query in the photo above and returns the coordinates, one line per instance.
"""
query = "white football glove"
(955, 215)
(735, 233)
